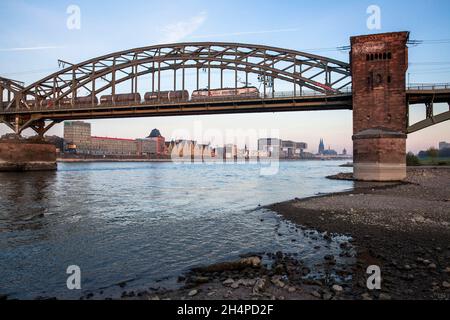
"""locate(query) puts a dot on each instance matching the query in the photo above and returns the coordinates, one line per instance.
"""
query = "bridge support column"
(379, 64)
(19, 154)
(24, 155)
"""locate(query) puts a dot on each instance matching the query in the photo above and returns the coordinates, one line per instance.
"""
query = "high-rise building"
(272, 147)
(444, 145)
(269, 146)
(78, 134)
(292, 149)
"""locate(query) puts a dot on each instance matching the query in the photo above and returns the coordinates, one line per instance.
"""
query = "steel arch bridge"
(55, 96)
(316, 82)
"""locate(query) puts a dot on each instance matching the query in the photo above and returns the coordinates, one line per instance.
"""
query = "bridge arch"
(320, 74)
(10, 90)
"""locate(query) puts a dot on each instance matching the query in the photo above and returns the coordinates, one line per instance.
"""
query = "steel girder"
(13, 92)
(314, 72)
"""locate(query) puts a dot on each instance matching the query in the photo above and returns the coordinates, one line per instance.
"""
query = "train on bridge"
(153, 97)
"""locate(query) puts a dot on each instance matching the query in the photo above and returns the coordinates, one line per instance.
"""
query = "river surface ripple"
(146, 223)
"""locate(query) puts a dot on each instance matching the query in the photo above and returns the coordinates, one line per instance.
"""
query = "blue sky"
(34, 36)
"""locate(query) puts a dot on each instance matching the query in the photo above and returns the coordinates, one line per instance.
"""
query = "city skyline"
(29, 47)
(310, 146)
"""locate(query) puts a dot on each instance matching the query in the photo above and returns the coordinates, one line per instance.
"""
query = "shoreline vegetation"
(402, 227)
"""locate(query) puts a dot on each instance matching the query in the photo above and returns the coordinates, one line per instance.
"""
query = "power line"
(429, 63)
(431, 72)
(416, 43)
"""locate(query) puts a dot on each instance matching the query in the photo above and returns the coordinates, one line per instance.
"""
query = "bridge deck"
(145, 109)
(417, 96)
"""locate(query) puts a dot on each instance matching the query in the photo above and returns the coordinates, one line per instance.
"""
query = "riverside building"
(77, 136)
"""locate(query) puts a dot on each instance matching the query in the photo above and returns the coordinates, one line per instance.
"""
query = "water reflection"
(144, 221)
(24, 202)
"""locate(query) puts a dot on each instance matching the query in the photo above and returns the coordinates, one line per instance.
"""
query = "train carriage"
(120, 99)
(223, 94)
(167, 96)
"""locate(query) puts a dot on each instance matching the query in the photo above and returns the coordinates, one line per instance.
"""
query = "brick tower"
(379, 64)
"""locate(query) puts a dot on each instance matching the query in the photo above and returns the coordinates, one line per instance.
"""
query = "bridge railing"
(267, 96)
(429, 86)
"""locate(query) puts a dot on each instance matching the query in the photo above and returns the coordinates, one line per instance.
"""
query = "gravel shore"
(404, 228)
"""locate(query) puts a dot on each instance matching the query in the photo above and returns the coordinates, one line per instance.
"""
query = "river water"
(145, 223)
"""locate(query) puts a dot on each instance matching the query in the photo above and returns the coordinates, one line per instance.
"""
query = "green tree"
(433, 152)
(412, 160)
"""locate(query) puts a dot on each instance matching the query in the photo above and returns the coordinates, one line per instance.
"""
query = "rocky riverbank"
(251, 278)
(404, 228)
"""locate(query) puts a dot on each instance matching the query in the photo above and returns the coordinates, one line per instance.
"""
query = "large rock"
(253, 262)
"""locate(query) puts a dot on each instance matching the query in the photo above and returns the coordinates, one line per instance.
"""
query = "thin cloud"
(30, 48)
(180, 30)
(244, 33)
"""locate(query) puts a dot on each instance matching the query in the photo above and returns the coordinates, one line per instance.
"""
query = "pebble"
(366, 296)
(200, 280)
(327, 296)
(337, 288)
(432, 266)
(410, 277)
(235, 285)
(253, 261)
(385, 296)
(292, 289)
(193, 293)
(210, 294)
(316, 294)
(228, 282)
(446, 284)
(259, 286)
(276, 281)
(447, 270)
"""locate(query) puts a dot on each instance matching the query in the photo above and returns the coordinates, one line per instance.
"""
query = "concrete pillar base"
(379, 155)
(379, 171)
(22, 155)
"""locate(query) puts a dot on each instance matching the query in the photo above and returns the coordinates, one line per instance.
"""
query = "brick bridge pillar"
(379, 64)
